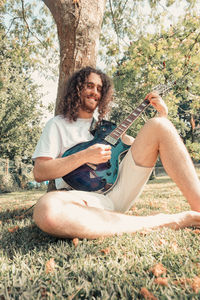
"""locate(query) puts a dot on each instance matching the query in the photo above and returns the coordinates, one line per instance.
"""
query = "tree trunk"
(78, 26)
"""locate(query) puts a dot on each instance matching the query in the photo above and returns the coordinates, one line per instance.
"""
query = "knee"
(162, 126)
(159, 121)
(46, 212)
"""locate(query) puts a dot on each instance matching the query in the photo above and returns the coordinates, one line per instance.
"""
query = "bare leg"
(159, 136)
(57, 216)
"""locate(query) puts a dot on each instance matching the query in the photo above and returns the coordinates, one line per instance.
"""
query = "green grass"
(109, 268)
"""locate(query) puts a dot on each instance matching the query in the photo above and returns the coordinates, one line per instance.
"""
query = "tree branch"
(113, 18)
(10, 27)
(27, 25)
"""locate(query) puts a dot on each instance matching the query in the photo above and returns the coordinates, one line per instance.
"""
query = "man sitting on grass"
(72, 213)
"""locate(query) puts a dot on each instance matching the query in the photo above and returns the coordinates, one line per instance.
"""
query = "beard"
(87, 106)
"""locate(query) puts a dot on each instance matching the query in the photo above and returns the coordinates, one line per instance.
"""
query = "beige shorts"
(127, 189)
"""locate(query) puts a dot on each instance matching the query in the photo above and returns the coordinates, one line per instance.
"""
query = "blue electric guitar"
(101, 177)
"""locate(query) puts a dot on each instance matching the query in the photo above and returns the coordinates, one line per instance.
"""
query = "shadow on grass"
(161, 180)
(20, 234)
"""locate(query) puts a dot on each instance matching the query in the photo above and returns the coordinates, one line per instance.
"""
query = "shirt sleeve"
(49, 144)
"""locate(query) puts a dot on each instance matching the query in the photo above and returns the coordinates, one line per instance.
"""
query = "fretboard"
(113, 137)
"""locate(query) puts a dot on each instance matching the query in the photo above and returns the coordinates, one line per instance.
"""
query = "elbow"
(37, 175)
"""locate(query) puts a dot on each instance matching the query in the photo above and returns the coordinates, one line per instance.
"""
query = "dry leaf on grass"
(182, 281)
(75, 241)
(144, 232)
(105, 251)
(50, 266)
(196, 284)
(161, 281)
(13, 229)
(174, 246)
(196, 231)
(158, 270)
(162, 242)
(100, 240)
(146, 294)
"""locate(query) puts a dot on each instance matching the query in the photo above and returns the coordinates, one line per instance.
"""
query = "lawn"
(161, 264)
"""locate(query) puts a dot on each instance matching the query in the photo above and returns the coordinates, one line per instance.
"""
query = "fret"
(129, 120)
(119, 132)
(115, 136)
(120, 127)
(126, 123)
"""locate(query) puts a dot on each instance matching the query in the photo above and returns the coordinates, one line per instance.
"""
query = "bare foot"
(186, 219)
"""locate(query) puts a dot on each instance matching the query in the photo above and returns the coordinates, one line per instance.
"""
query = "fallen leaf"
(163, 242)
(50, 266)
(13, 229)
(100, 240)
(75, 241)
(174, 246)
(144, 232)
(182, 281)
(134, 208)
(158, 270)
(152, 204)
(146, 294)
(161, 281)
(196, 284)
(196, 231)
(105, 251)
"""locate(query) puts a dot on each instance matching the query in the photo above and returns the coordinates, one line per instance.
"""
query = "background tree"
(24, 43)
(20, 111)
(170, 56)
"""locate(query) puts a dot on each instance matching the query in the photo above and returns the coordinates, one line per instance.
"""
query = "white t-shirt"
(59, 135)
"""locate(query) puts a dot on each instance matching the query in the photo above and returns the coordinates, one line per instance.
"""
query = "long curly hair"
(70, 105)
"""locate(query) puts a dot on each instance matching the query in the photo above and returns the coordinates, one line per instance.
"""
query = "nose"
(95, 90)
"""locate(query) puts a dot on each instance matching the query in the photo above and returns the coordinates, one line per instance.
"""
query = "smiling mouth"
(92, 99)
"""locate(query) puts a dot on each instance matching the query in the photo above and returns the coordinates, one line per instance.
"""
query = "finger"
(103, 146)
(106, 152)
(106, 147)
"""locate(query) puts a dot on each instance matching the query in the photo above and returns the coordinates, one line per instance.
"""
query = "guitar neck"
(113, 137)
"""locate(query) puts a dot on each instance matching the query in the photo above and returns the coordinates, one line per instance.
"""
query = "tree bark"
(78, 26)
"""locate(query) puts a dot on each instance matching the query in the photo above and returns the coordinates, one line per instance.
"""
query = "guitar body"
(99, 178)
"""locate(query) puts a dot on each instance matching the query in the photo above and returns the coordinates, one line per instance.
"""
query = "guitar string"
(117, 132)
